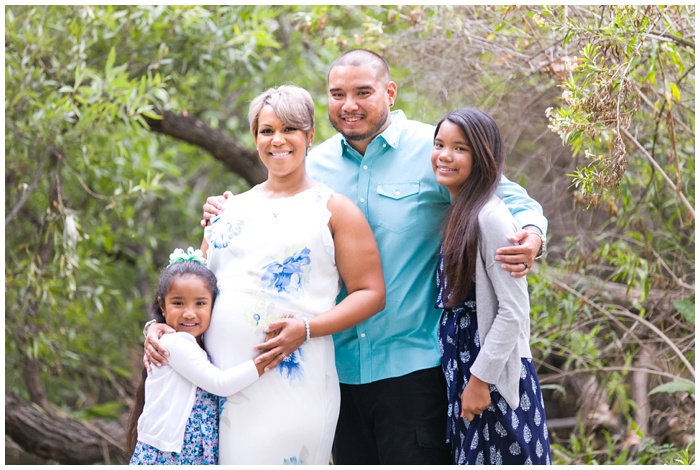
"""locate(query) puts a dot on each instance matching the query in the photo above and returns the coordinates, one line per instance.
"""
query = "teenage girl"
(495, 412)
(177, 422)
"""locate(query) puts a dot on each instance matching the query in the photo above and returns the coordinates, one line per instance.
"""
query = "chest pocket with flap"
(398, 205)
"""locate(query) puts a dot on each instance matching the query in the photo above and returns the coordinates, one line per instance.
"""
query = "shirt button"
(362, 335)
(362, 199)
(397, 193)
(364, 167)
(383, 145)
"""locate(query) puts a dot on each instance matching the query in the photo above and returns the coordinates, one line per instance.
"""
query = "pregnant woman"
(281, 252)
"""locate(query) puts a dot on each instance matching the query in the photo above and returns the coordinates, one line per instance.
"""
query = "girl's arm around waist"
(190, 361)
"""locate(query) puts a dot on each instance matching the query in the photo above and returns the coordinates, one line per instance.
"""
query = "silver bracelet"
(145, 327)
(308, 330)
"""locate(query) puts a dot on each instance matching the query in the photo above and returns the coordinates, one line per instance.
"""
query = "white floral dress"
(275, 257)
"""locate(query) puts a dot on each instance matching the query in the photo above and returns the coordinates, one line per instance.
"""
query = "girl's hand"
(290, 334)
(153, 352)
(475, 398)
(267, 366)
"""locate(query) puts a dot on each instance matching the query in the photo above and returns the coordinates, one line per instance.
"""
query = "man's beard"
(370, 134)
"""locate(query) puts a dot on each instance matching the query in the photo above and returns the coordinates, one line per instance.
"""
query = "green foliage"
(109, 410)
(625, 107)
(609, 82)
(583, 450)
(94, 200)
(684, 456)
(687, 309)
(672, 387)
(85, 183)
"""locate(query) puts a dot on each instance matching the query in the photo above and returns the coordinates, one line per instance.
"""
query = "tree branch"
(626, 313)
(27, 192)
(658, 168)
(61, 438)
(239, 159)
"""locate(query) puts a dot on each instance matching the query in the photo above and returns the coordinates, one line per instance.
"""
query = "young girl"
(178, 420)
(496, 411)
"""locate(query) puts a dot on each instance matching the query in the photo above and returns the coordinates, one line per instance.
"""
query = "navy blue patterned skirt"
(500, 435)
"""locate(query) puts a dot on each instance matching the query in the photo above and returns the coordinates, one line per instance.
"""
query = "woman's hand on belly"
(283, 338)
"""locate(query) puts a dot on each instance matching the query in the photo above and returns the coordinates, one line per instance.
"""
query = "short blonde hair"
(292, 104)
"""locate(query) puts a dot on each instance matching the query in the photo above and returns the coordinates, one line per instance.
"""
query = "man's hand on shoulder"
(212, 208)
(519, 258)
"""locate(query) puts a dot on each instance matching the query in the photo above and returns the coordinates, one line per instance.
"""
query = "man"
(393, 395)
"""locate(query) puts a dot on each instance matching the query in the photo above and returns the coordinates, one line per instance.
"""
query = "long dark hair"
(167, 276)
(461, 237)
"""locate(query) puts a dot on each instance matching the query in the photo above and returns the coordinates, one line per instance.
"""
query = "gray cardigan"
(502, 307)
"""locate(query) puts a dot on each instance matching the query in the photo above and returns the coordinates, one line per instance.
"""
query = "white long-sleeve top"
(171, 390)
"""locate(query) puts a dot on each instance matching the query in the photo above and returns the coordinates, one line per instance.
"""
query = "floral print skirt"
(201, 443)
(500, 435)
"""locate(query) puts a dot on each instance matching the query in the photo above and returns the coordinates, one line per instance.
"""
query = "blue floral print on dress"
(291, 365)
(293, 461)
(223, 233)
(286, 277)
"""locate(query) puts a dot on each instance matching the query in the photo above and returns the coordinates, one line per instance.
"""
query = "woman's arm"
(360, 268)
(204, 248)
(188, 360)
(153, 351)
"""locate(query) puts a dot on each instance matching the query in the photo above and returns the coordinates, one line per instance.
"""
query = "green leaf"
(264, 40)
(109, 410)
(110, 61)
(672, 387)
(675, 93)
(686, 308)
(152, 115)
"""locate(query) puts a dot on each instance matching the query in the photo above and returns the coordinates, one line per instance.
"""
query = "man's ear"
(391, 90)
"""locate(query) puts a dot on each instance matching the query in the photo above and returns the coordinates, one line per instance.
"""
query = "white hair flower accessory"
(179, 255)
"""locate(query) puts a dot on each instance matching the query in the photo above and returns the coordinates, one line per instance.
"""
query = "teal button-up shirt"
(395, 187)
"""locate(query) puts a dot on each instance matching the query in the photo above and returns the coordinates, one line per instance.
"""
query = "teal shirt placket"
(361, 334)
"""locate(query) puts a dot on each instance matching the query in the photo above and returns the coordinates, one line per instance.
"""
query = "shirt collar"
(391, 134)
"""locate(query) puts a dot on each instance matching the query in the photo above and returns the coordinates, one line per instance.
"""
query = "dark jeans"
(400, 420)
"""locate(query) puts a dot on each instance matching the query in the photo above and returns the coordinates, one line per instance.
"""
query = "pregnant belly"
(237, 325)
